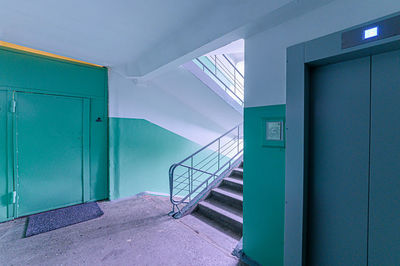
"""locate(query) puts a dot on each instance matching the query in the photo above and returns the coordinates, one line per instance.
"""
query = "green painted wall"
(141, 154)
(264, 189)
(35, 76)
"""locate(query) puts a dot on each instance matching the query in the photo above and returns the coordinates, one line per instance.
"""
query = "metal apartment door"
(49, 151)
(4, 183)
(384, 201)
(339, 164)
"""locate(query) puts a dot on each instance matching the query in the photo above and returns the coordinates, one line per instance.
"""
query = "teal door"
(4, 193)
(50, 153)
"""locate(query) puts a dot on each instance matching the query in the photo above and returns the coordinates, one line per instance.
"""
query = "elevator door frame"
(300, 59)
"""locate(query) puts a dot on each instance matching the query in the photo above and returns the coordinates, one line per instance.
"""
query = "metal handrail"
(221, 66)
(182, 188)
(226, 86)
(230, 62)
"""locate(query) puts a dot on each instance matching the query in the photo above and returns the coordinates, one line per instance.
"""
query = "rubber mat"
(55, 219)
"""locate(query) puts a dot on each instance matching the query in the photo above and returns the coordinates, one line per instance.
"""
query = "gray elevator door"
(339, 164)
(384, 213)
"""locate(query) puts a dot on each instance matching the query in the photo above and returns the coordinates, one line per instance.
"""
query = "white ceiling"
(101, 31)
(235, 50)
(235, 47)
(139, 35)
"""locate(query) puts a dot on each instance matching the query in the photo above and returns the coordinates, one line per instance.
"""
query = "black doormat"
(51, 220)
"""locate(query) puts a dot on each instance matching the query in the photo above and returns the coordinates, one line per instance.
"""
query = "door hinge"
(14, 196)
(13, 106)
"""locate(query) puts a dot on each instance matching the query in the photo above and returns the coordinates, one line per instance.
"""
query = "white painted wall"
(175, 100)
(266, 51)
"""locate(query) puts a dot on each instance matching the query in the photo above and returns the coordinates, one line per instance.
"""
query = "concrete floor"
(137, 231)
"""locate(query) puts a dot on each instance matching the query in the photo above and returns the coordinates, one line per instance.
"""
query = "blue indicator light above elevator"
(371, 33)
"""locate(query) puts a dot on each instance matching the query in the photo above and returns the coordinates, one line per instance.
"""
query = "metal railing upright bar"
(196, 173)
(234, 67)
(238, 97)
(224, 66)
(229, 70)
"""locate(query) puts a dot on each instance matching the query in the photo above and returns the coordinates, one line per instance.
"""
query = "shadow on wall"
(176, 101)
(140, 156)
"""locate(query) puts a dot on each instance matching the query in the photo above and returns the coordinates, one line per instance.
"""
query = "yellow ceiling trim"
(30, 50)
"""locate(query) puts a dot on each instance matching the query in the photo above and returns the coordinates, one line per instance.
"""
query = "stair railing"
(194, 175)
(225, 65)
(232, 83)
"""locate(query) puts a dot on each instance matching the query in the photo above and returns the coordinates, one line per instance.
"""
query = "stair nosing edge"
(221, 211)
(228, 194)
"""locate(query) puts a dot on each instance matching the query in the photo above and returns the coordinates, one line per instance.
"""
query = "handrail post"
(238, 138)
(215, 64)
(219, 151)
(234, 79)
(189, 184)
(191, 173)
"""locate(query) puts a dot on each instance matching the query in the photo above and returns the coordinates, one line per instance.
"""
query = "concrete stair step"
(237, 173)
(217, 226)
(223, 207)
(222, 216)
(236, 177)
(228, 196)
(226, 207)
(233, 183)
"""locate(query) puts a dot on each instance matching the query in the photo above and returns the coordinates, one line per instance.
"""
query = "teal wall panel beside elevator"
(264, 187)
(141, 154)
(53, 145)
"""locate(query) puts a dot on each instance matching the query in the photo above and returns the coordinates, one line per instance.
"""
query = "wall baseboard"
(150, 193)
(238, 252)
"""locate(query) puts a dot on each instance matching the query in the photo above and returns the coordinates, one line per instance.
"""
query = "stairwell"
(223, 207)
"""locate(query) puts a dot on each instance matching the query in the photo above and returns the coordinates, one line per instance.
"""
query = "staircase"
(208, 184)
(223, 207)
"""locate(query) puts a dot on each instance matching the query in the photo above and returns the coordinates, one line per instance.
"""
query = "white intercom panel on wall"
(273, 132)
